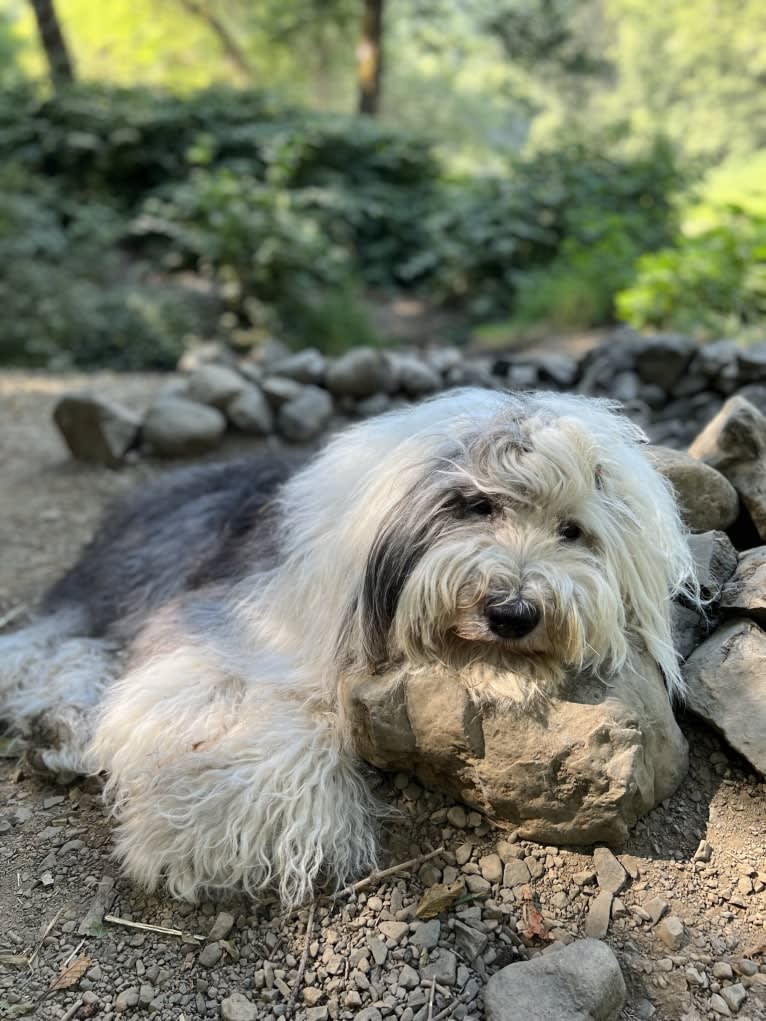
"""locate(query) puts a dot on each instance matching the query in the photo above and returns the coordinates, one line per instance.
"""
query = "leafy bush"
(710, 284)
(70, 297)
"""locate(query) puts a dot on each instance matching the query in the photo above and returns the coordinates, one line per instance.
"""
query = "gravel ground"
(688, 919)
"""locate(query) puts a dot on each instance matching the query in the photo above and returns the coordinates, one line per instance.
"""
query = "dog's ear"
(402, 539)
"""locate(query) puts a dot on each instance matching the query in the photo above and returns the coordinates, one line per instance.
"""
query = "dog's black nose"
(512, 620)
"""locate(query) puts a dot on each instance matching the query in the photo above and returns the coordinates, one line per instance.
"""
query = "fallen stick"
(377, 876)
(146, 927)
(302, 966)
(73, 1010)
(48, 928)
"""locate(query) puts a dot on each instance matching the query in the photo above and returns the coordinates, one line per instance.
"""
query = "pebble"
(719, 1006)
(456, 817)
(609, 872)
(210, 955)
(734, 995)
(408, 977)
(463, 854)
(671, 932)
(221, 927)
(599, 913)
(238, 1008)
(722, 970)
(426, 934)
(515, 873)
(395, 931)
(491, 868)
(656, 908)
(126, 999)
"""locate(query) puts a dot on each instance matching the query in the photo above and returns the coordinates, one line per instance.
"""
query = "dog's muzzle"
(513, 619)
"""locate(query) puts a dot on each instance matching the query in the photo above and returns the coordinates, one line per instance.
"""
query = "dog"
(203, 650)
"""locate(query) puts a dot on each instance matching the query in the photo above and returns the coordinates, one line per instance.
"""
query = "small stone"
(312, 995)
(656, 908)
(126, 999)
(734, 995)
(491, 868)
(378, 948)
(408, 978)
(210, 955)
(221, 927)
(360, 372)
(599, 913)
(470, 941)
(316, 1014)
(463, 854)
(426, 934)
(146, 994)
(477, 885)
(456, 817)
(746, 967)
(395, 931)
(443, 968)
(515, 873)
(585, 878)
(631, 865)
(671, 932)
(704, 852)
(719, 1006)
(611, 875)
(722, 970)
(307, 366)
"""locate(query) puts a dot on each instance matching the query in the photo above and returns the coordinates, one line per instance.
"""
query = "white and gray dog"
(203, 649)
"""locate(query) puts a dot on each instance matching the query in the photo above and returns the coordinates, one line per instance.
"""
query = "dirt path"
(55, 849)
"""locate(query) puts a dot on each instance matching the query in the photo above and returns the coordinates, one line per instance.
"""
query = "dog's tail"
(222, 781)
(52, 676)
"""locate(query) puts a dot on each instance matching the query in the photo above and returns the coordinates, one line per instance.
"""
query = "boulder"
(360, 372)
(96, 430)
(706, 500)
(413, 376)
(715, 561)
(734, 443)
(215, 385)
(726, 686)
(663, 359)
(304, 416)
(250, 412)
(579, 982)
(744, 594)
(578, 769)
(279, 390)
(175, 427)
(307, 366)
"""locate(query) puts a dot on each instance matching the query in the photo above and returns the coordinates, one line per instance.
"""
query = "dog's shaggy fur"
(514, 541)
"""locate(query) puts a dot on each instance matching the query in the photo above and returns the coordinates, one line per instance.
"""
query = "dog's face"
(506, 562)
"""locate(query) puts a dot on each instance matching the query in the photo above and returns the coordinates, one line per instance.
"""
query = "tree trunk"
(369, 58)
(53, 42)
(225, 36)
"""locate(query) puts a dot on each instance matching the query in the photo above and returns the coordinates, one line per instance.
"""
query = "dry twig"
(48, 928)
(302, 966)
(378, 875)
(161, 929)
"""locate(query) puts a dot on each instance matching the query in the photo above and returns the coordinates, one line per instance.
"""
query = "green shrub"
(710, 284)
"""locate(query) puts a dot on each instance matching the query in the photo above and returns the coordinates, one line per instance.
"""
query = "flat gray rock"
(178, 428)
(250, 412)
(360, 372)
(304, 416)
(579, 769)
(726, 686)
(215, 385)
(95, 430)
(581, 982)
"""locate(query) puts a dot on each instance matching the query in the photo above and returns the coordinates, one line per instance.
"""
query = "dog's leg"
(51, 679)
(221, 781)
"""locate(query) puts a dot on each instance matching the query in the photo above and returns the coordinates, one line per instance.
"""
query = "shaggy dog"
(203, 649)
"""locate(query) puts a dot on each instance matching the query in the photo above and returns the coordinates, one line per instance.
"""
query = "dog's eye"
(570, 531)
(481, 506)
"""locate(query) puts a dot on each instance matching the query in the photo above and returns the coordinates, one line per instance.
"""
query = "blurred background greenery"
(189, 169)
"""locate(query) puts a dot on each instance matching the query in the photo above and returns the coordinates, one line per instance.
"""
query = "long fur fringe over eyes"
(251, 599)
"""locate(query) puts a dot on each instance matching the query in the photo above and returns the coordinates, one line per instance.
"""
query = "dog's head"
(528, 547)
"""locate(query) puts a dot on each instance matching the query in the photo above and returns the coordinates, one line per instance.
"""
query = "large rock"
(215, 385)
(744, 594)
(726, 686)
(580, 982)
(304, 417)
(734, 443)
(250, 412)
(96, 430)
(579, 769)
(413, 376)
(178, 428)
(663, 359)
(707, 501)
(307, 366)
(715, 561)
(360, 372)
